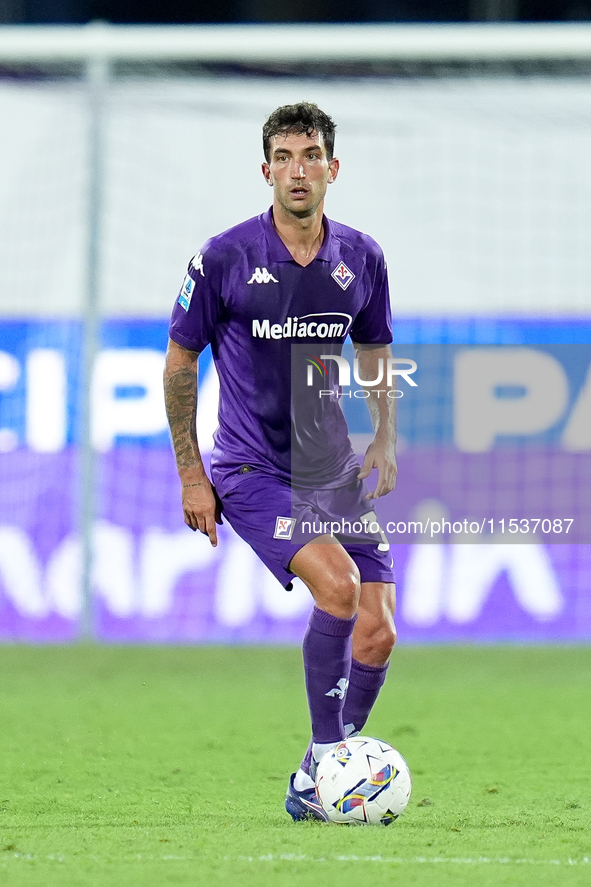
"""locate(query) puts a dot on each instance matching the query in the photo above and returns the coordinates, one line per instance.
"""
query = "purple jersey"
(246, 296)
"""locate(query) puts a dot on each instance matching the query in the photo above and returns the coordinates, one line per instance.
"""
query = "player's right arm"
(180, 394)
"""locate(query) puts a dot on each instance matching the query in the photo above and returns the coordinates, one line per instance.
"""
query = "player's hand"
(384, 459)
(201, 507)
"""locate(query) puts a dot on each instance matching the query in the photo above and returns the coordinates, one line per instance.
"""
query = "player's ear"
(267, 173)
(333, 166)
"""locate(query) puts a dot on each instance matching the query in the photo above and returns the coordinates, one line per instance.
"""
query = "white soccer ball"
(363, 781)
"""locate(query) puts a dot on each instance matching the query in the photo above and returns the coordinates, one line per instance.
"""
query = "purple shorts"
(277, 520)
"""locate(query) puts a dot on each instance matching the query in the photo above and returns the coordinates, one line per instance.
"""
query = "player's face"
(299, 172)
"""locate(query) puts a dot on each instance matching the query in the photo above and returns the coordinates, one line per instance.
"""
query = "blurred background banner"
(463, 152)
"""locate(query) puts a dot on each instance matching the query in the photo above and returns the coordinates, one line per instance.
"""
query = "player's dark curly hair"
(304, 117)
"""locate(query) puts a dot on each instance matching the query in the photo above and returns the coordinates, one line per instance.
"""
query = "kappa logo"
(197, 264)
(340, 689)
(261, 275)
(342, 275)
(284, 527)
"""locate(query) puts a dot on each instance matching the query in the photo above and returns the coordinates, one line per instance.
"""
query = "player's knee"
(348, 588)
(385, 639)
(376, 641)
(341, 592)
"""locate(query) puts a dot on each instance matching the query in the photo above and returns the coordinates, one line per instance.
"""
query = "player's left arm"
(381, 453)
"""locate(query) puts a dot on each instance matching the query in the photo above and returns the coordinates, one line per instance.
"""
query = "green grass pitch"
(151, 766)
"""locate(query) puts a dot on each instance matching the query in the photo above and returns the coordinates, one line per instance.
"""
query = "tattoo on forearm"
(180, 397)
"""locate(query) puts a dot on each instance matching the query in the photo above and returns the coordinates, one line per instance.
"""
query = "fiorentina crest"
(342, 275)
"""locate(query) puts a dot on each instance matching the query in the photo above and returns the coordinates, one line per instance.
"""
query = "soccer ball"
(363, 781)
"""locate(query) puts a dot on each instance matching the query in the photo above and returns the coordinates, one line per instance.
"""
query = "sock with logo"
(365, 683)
(327, 663)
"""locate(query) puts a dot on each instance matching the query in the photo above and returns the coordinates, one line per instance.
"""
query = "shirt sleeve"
(373, 324)
(198, 306)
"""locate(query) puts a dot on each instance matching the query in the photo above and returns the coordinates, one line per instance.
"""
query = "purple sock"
(365, 683)
(327, 662)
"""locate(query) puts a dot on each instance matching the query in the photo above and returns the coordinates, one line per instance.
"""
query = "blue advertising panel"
(490, 524)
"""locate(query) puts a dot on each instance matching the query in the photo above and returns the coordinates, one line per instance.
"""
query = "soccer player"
(265, 295)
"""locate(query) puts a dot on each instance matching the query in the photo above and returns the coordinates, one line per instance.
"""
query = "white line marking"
(429, 860)
(302, 857)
